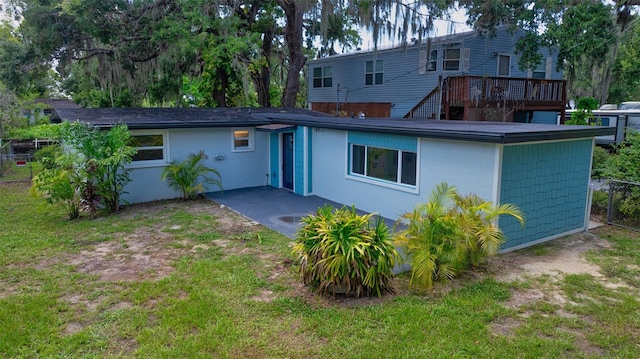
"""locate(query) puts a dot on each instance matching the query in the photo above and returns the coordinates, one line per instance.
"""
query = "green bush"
(450, 233)
(599, 163)
(599, 202)
(190, 176)
(47, 156)
(342, 252)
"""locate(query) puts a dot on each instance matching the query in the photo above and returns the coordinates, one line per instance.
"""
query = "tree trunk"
(262, 77)
(221, 84)
(293, 37)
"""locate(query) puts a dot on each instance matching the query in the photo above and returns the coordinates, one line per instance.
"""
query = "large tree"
(586, 33)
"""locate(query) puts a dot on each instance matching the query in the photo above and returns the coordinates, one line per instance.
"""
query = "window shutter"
(465, 59)
(423, 62)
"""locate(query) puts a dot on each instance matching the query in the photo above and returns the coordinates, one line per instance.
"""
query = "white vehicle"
(627, 115)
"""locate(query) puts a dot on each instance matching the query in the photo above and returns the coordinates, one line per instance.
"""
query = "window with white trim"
(451, 60)
(151, 146)
(395, 166)
(428, 64)
(323, 76)
(242, 140)
(373, 73)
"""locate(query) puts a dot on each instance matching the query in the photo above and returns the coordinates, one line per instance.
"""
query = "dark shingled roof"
(493, 132)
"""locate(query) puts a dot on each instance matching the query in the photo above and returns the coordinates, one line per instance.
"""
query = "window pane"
(538, 74)
(317, 72)
(382, 163)
(328, 82)
(452, 54)
(242, 134)
(357, 159)
(240, 143)
(148, 155)
(408, 168)
(379, 78)
(503, 65)
(368, 79)
(317, 82)
(328, 71)
(369, 66)
(379, 66)
(433, 60)
(451, 65)
(146, 141)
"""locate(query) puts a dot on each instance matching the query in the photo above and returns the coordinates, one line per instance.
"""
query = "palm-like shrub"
(450, 233)
(342, 252)
(191, 176)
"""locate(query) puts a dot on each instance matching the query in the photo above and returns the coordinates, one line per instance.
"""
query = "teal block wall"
(298, 169)
(549, 182)
(274, 159)
(382, 140)
(310, 160)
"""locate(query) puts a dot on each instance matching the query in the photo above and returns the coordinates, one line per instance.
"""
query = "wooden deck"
(490, 98)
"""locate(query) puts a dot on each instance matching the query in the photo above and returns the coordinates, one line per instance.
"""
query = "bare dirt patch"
(559, 257)
(149, 252)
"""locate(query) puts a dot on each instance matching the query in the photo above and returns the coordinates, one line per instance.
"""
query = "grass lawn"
(192, 280)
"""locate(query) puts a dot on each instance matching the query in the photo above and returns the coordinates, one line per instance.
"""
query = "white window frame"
(428, 63)
(446, 59)
(165, 149)
(250, 139)
(374, 72)
(398, 185)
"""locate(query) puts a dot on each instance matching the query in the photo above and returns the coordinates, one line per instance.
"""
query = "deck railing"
(485, 91)
(482, 89)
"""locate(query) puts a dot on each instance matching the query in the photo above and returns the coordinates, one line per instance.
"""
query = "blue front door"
(287, 161)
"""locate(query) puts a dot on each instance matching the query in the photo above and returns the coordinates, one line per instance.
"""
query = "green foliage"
(599, 162)
(450, 233)
(10, 116)
(48, 156)
(42, 131)
(340, 251)
(191, 176)
(624, 164)
(62, 184)
(91, 174)
(584, 115)
(111, 152)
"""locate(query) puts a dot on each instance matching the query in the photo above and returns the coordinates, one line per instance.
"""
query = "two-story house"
(462, 77)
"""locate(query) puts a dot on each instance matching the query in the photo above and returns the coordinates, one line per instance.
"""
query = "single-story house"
(381, 165)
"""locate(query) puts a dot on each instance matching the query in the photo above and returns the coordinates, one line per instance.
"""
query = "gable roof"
(476, 131)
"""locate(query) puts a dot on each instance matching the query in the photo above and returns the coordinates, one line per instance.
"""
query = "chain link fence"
(16, 167)
(623, 208)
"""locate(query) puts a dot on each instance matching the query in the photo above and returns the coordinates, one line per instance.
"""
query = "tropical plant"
(48, 155)
(61, 184)
(450, 233)
(342, 252)
(191, 176)
(109, 152)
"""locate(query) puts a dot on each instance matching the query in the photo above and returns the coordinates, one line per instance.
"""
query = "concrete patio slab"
(274, 208)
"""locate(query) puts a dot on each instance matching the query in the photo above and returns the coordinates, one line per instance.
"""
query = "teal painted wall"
(404, 143)
(309, 160)
(549, 182)
(274, 159)
(298, 169)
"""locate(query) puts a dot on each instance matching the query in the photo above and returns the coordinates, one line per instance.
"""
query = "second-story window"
(428, 64)
(323, 76)
(373, 74)
(451, 60)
